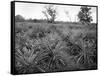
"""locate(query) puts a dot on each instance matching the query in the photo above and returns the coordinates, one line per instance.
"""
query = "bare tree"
(50, 13)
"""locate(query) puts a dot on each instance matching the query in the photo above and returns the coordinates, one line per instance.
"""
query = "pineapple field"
(54, 47)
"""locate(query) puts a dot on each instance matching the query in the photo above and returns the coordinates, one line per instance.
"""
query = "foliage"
(48, 49)
(19, 18)
(87, 43)
(85, 15)
(50, 13)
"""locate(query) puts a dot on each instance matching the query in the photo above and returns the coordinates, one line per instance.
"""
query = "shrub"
(85, 57)
(19, 18)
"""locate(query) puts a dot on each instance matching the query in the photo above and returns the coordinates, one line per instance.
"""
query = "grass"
(43, 47)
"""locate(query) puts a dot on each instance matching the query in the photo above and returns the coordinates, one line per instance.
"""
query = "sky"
(34, 11)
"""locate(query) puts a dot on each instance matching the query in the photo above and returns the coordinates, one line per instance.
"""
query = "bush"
(19, 18)
(87, 42)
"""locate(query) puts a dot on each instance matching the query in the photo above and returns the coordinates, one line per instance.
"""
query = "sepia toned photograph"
(52, 37)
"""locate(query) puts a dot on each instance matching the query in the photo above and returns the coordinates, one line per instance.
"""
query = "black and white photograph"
(53, 37)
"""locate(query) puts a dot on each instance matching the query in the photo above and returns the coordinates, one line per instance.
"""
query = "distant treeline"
(19, 18)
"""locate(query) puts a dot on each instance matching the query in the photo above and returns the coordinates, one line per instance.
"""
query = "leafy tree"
(85, 15)
(19, 18)
(50, 13)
